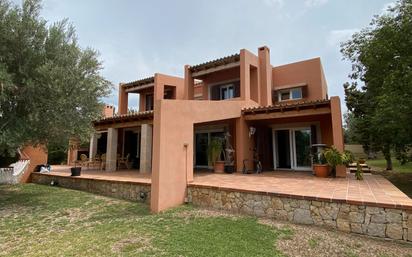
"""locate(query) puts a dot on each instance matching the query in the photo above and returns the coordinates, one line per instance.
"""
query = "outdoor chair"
(95, 162)
(103, 162)
(84, 161)
(123, 161)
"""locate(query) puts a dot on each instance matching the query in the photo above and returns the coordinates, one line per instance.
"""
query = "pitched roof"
(131, 116)
(138, 83)
(286, 106)
(214, 63)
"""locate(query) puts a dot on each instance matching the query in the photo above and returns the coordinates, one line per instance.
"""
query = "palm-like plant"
(215, 149)
(333, 158)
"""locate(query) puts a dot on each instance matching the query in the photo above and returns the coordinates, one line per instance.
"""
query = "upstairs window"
(149, 102)
(290, 94)
(227, 92)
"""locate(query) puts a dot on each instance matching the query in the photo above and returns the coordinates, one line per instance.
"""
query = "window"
(290, 94)
(227, 92)
(149, 102)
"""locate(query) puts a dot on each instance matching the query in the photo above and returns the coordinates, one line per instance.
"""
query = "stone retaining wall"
(118, 189)
(360, 219)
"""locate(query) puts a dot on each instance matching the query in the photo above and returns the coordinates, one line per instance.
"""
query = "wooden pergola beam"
(215, 69)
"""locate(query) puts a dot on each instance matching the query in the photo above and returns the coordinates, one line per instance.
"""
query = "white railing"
(12, 174)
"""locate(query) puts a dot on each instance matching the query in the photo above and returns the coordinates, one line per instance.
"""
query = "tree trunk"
(387, 153)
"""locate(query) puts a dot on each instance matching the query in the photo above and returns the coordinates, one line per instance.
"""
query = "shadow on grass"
(51, 199)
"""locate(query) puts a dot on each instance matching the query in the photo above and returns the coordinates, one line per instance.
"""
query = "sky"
(135, 39)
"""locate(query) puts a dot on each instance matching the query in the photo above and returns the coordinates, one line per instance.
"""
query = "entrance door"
(202, 141)
(302, 148)
(283, 160)
(292, 148)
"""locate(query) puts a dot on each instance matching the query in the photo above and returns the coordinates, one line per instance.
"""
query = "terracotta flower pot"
(219, 166)
(321, 170)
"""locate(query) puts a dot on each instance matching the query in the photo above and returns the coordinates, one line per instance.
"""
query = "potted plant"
(75, 170)
(320, 167)
(215, 149)
(333, 158)
(347, 158)
(228, 154)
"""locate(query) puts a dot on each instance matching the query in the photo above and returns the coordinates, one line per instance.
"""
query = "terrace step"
(364, 166)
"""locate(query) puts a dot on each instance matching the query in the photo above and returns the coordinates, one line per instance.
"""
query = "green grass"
(400, 176)
(313, 243)
(40, 220)
(381, 164)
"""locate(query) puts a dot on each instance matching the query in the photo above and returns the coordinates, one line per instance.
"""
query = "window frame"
(151, 96)
(230, 87)
(289, 90)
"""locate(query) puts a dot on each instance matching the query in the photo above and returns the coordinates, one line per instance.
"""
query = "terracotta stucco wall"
(173, 144)
(308, 71)
(123, 100)
(36, 155)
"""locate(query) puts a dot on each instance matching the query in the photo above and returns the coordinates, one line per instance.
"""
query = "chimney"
(265, 75)
(123, 100)
(108, 111)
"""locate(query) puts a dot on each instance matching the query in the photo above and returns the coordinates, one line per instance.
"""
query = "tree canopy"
(50, 87)
(381, 107)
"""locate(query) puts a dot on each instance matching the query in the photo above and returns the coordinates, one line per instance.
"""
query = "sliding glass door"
(302, 148)
(202, 141)
(291, 148)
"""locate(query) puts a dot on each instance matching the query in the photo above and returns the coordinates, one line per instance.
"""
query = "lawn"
(381, 164)
(40, 220)
(400, 176)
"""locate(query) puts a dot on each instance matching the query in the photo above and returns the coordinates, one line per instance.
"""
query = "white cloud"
(386, 6)
(314, 3)
(335, 37)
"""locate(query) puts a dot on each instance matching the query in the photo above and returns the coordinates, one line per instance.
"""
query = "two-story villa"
(286, 108)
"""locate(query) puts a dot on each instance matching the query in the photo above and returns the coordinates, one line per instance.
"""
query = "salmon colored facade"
(270, 113)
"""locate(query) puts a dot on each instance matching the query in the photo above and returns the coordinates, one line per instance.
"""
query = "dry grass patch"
(311, 241)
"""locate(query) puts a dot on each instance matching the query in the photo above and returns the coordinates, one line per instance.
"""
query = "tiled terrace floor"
(374, 190)
(119, 175)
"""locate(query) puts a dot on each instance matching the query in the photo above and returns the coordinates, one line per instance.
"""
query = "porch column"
(189, 84)
(146, 135)
(111, 151)
(337, 132)
(243, 145)
(93, 146)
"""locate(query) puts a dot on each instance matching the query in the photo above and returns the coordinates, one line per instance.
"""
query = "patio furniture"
(123, 161)
(95, 162)
(84, 161)
(103, 162)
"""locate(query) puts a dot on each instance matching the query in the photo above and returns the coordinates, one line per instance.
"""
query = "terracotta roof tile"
(214, 63)
(140, 82)
(131, 116)
(285, 106)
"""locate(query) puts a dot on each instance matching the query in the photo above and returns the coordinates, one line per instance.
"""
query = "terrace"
(374, 190)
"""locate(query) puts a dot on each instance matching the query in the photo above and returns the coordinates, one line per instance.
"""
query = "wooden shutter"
(304, 91)
(274, 96)
(313, 134)
(236, 86)
(215, 93)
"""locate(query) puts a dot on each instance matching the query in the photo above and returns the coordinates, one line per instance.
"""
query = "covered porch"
(122, 142)
(281, 136)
